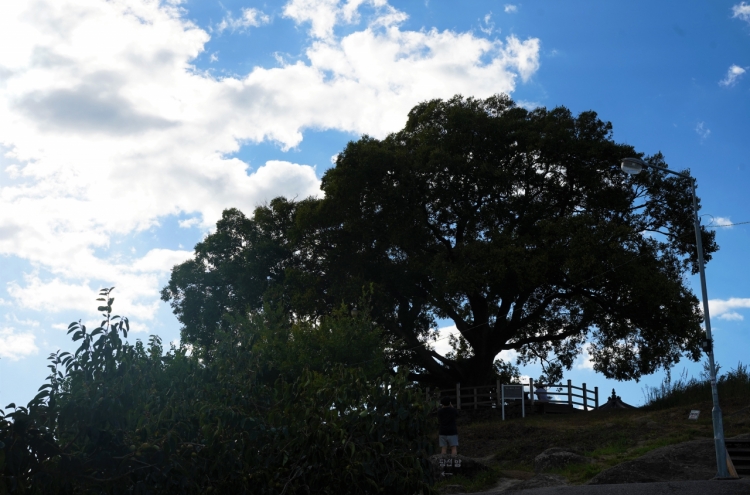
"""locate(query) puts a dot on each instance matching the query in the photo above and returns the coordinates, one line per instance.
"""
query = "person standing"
(448, 432)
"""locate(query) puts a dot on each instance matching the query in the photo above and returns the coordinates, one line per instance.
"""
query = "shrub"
(120, 418)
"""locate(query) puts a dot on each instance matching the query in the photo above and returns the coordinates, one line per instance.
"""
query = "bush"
(120, 418)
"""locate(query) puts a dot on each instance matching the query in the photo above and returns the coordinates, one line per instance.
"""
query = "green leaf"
(40, 395)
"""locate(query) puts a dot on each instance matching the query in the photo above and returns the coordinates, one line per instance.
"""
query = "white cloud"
(510, 8)
(442, 345)
(731, 316)
(584, 361)
(702, 130)
(723, 222)
(249, 18)
(106, 128)
(723, 309)
(14, 345)
(742, 11)
(487, 27)
(189, 223)
(26, 323)
(528, 105)
(158, 260)
(733, 74)
(324, 15)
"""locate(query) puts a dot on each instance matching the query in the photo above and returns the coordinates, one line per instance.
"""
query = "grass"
(608, 438)
(684, 390)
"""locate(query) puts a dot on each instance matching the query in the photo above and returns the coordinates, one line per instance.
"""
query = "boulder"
(556, 458)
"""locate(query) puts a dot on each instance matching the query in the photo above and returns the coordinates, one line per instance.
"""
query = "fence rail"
(482, 396)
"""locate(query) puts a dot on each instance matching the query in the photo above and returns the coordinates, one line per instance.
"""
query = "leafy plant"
(120, 418)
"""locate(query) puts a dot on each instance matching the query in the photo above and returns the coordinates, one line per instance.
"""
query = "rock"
(694, 460)
(556, 459)
(539, 481)
(465, 466)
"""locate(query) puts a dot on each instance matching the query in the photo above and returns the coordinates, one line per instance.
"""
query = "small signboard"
(694, 414)
(513, 391)
(449, 463)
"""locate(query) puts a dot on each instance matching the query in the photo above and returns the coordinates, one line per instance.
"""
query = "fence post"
(585, 398)
(596, 397)
(502, 399)
(497, 392)
(570, 394)
(531, 391)
(458, 395)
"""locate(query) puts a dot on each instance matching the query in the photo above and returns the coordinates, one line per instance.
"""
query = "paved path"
(727, 487)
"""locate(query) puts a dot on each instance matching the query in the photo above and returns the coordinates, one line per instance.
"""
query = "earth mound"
(693, 460)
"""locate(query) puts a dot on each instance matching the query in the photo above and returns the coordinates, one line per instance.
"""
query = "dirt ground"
(609, 438)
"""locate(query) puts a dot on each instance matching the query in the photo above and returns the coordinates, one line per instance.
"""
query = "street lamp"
(634, 166)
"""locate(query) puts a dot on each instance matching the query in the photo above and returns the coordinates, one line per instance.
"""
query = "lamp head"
(631, 166)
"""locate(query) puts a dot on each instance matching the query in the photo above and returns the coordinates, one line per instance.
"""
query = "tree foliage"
(516, 224)
(120, 418)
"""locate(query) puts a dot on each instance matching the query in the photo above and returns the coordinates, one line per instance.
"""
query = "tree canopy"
(516, 224)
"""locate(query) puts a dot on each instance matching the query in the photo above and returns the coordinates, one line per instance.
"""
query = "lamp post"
(634, 166)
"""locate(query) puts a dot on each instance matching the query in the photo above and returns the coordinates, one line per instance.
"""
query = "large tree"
(516, 225)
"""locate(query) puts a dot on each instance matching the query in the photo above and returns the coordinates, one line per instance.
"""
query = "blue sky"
(126, 126)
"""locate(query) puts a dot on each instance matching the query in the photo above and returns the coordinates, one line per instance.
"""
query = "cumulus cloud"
(741, 11)
(510, 8)
(106, 127)
(324, 15)
(733, 74)
(724, 309)
(724, 222)
(15, 345)
(249, 18)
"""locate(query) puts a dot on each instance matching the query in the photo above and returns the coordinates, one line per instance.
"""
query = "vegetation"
(683, 390)
(517, 225)
(306, 326)
(607, 437)
(251, 416)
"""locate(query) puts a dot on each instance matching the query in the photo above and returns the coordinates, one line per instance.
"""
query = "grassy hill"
(607, 437)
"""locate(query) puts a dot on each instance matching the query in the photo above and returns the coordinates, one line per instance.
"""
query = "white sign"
(694, 414)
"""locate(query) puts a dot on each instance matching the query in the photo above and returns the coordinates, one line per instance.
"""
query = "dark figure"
(448, 431)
